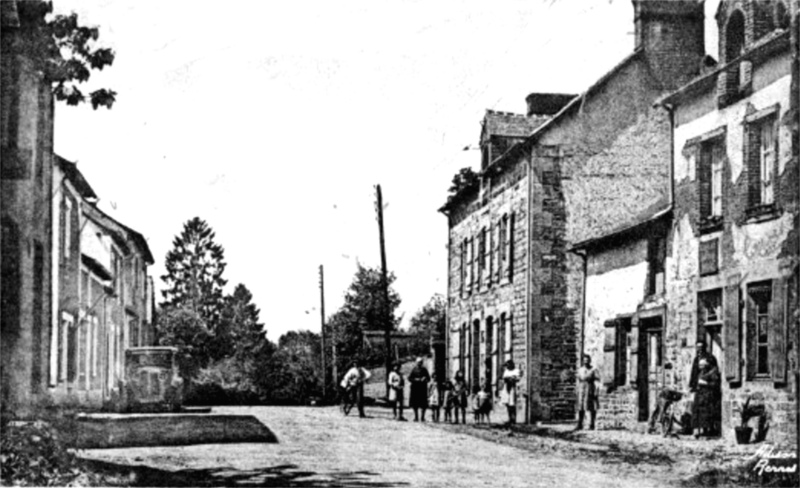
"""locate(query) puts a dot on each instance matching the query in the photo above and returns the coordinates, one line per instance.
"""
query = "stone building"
(589, 170)
(732, 257)
(26, 141)
(104, 297)
(489, 245)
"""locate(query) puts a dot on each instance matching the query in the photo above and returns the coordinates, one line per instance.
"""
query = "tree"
(465, 178)
(292, 374)
(66, 52)
(427, 322)
(240, 332)
(363, 309)
(194, 273)
(184, 329)
(364, 299)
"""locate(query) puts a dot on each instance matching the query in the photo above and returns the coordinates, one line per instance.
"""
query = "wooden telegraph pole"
(322, 330)
(385, 280)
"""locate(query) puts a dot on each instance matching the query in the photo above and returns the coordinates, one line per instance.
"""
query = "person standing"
(434, 397)
(354, 380)
(396, 385)
(588, 376)
(419, 379)
(460, 394)
(508, 394)
(705, 383)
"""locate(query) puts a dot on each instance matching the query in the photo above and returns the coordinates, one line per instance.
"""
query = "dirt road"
(318, 447)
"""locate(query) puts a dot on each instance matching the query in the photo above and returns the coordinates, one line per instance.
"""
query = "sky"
(273, 122)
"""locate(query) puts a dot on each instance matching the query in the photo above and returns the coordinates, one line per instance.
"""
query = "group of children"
(453, 397)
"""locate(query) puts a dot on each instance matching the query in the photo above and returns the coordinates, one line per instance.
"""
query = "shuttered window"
(510, 240)
(710, 177)
(761, 149)
(732, 330)
(766, 330)
(615, 352)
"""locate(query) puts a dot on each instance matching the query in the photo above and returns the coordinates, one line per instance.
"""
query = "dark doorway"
(651, 364)
(476, 354)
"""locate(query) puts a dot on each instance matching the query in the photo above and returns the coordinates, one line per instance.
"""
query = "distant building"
(104, 298)
(26, 142)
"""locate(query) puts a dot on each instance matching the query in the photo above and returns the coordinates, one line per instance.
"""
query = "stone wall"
(751, 248)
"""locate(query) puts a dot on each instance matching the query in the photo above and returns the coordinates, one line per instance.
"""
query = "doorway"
(651, 364)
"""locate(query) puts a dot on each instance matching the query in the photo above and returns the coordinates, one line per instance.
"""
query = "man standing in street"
(354, 380)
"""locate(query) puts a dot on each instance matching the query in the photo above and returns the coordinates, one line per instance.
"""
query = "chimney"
(672, 35)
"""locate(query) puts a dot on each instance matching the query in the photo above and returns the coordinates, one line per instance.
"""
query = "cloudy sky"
(273, 121)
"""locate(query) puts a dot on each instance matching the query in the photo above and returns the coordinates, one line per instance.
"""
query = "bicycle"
(664, 414)
(348, 400)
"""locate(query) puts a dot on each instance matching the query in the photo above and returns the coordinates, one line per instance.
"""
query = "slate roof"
(509, 124)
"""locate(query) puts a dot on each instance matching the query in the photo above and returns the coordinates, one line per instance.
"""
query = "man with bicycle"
(353, 384)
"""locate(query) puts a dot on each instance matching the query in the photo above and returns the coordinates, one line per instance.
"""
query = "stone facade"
(592, 168)
(25, 187)
(732, 266)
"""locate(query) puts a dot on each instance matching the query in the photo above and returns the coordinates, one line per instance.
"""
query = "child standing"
(434, 398)
(447, 400)
(460, 393)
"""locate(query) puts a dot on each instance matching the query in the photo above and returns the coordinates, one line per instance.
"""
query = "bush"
(223, 383)
(34, 453)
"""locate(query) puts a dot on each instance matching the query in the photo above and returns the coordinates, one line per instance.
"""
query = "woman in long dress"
(588, 376)
(508, 394)
(419, 379)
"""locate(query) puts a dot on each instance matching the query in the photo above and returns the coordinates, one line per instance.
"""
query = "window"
(510, 251)
(711, 178)
(761, 160)
(709, 317)
(615, 351)
(760, 304)
(462, 274)
(490, 252)
(471, 262)
(481, 254)
(503, 243)
(38, 313)
(65, 325)
(66, 228)
(656, 256)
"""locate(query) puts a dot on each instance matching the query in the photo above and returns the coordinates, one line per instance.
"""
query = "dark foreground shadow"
(288, 475)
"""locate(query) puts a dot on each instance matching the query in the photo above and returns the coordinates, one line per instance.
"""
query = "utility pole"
(322, 329)
(387, 308)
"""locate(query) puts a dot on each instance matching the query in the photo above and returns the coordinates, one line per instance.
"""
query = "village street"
(319, 447)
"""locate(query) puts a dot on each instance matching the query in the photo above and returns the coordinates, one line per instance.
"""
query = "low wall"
(119, 430)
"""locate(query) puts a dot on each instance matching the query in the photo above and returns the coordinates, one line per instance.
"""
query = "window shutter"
(750, 344)
(634, 366)
(621, 353)
(732, 331)
(752, 155)
(704, 182)
(609, 353)
(777, 333)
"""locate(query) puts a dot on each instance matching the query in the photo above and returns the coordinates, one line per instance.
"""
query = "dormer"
(743, 24)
